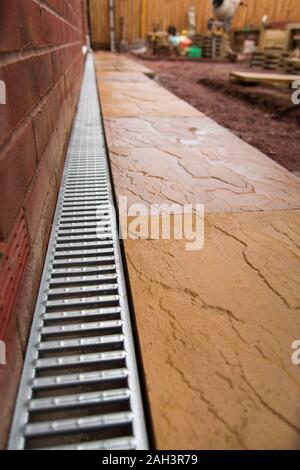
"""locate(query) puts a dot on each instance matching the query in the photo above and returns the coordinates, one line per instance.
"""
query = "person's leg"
(227, 25)
(227, 37)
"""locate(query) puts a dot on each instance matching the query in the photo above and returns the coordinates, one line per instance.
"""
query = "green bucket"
(195, 52)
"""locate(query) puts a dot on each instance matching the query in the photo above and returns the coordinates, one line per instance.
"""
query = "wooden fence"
(140, 15)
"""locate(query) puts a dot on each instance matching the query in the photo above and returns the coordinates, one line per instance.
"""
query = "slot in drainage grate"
(80, 388)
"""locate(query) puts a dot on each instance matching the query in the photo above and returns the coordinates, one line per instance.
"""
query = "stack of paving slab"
(292, 65)
(215, 326)
(269, 59)
(273, 59)
(207, 45)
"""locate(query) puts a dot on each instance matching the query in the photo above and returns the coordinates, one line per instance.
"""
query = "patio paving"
(215, 326)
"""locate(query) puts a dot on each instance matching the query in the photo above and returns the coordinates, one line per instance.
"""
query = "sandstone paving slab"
(130, 77)
(139, 99)
(194, 160)
(107, 61)
(216, 328)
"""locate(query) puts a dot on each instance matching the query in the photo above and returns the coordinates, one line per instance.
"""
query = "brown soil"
(263, 117)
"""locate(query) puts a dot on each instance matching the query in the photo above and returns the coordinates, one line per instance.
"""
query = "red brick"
(28, 292)
(51, 156)
(9, 26)
(43, 126)
(29, 23)
(5, 120)
(69, 79)
(46, 119)
(64, 122)
(58, 94)
(53, 28)
(22, 89)
(84, 20)
(60, 173)
(20, 24)
(43, 73)
(17, 167)
(63, 58)
(70, 15)
(60, 6)
(26, 24)
(35, 199)
(58, 64)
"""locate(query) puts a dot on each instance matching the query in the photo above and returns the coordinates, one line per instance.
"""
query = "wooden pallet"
(284, 56)
(270, 59)
(273, 80)
(198, 40)
(292, 65)
(206, 43)
(258, 59)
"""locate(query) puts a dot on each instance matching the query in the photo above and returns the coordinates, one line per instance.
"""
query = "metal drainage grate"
(80, 387)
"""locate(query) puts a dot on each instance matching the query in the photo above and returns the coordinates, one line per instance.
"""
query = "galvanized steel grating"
(80, 387)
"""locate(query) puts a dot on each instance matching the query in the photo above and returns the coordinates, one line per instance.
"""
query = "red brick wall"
(41, 63)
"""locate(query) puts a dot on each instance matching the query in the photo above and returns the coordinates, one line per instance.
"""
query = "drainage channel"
(80, 387)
